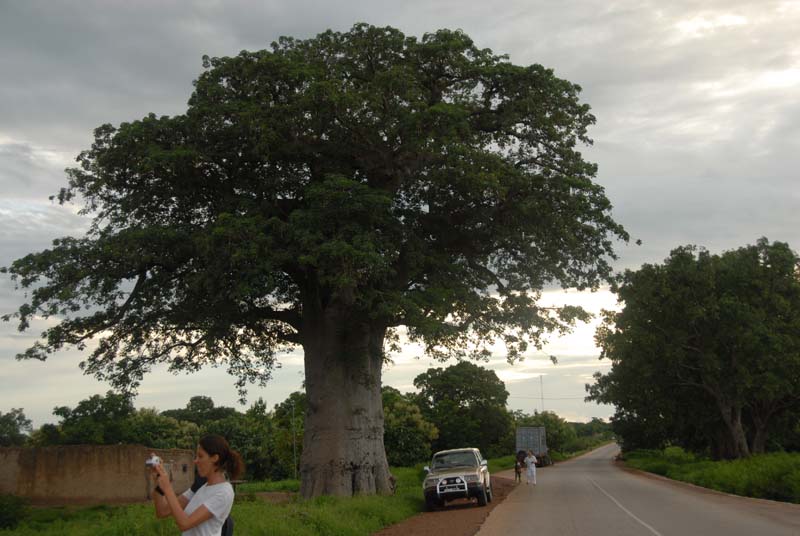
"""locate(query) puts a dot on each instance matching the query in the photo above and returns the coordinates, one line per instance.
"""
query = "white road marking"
(648, 527)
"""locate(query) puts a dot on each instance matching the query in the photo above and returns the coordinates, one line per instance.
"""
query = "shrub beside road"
(774, 476)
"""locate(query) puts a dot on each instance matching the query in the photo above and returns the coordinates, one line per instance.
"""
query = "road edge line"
(631, 514)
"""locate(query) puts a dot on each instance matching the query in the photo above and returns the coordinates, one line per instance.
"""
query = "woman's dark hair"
(229, 459)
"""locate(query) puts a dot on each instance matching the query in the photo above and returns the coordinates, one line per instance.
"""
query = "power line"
(545, 398)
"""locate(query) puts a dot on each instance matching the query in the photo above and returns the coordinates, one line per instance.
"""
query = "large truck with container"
(533, 438)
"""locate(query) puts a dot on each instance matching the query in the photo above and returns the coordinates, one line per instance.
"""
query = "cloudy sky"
(697, 137)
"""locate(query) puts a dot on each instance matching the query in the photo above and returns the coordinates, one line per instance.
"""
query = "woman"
(530, 463)
(201, 513)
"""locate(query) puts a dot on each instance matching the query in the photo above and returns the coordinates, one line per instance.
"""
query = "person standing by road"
(518, 471)
(530, 463)
(201, 513)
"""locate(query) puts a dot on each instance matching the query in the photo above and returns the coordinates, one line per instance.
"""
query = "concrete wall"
(70, 474)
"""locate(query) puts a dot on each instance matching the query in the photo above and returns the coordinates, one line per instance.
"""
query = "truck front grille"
(454, 484)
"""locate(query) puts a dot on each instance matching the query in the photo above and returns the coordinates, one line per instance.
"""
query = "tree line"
(705, 352)
(461, 405)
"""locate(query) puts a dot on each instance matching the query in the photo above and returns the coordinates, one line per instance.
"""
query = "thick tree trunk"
(732, 416)
(761, 418)
(759, 445)
(722, 447)
(343, 452)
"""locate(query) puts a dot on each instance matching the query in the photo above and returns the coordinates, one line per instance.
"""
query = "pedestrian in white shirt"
(530, 463)
(201, 513)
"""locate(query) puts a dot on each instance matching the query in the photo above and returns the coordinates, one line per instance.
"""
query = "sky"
(697, 137)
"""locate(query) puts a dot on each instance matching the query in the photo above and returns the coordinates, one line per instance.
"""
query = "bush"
(768, 476)
(500, 464)
(792, 481)
(678, 456)
(12, 510)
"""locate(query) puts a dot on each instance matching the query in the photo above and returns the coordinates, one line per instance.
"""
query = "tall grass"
(773, 476)
(267, 485)
(321, 516)
(501, 464)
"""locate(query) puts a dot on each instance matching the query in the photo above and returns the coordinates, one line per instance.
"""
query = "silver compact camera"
(152, 461)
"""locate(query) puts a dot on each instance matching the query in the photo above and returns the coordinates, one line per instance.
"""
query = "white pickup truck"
(457, 474)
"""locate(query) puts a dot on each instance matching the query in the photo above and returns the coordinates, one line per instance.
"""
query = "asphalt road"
(592, 496)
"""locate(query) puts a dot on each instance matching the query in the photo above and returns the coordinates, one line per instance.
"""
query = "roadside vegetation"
(357, 516)
(450, 410)
(323, 515)
(705, 353)
(361, 515)
(271, 443)
(705, 375)
(774, 476)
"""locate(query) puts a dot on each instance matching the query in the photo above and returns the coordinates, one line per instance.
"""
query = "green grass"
(128, 520)
(773, 476)
(320, 516)
(333, 516)
(501, 464)
(268, 485)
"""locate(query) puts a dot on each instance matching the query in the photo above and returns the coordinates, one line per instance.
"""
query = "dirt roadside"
(459, 518)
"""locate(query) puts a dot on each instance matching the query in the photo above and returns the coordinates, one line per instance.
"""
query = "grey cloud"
(690, 148)
(26, 227)
(26, 172)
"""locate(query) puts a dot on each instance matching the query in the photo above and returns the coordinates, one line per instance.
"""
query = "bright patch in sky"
(778, 79)
(510, 376)
(746, 83)
(701, 26)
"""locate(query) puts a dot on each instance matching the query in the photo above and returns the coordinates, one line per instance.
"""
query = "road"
(592, 496)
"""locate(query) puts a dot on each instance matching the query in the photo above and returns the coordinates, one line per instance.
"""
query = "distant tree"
(390, 395)
(467, 404)
(289, 428)
(46, 435)
(595, 427)
(13, 426)
(97, 420)
(323, 193)
(719, 334)
(149, 428)
(407, 435)
(200, 410)
(259, 450)
(251, 437)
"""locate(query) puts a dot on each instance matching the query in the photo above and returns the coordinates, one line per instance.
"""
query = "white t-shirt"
(218, 499)
(530, 461)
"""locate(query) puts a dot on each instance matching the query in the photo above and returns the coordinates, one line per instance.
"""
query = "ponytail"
(229, 460)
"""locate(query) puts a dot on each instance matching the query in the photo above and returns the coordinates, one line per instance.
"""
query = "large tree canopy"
(467, 403)
(706, 350)
(321, 193)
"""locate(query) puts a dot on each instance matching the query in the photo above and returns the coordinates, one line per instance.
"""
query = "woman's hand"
(153, 471)
(162, 479)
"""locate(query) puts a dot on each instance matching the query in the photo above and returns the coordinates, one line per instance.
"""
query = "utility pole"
(541, 390)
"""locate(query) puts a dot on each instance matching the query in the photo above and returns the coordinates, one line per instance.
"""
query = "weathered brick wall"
(88, 473)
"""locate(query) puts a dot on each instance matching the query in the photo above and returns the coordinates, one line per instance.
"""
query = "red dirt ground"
(458, 518)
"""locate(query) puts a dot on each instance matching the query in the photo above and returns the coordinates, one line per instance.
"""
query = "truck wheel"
(482, 498)
(431, 504)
